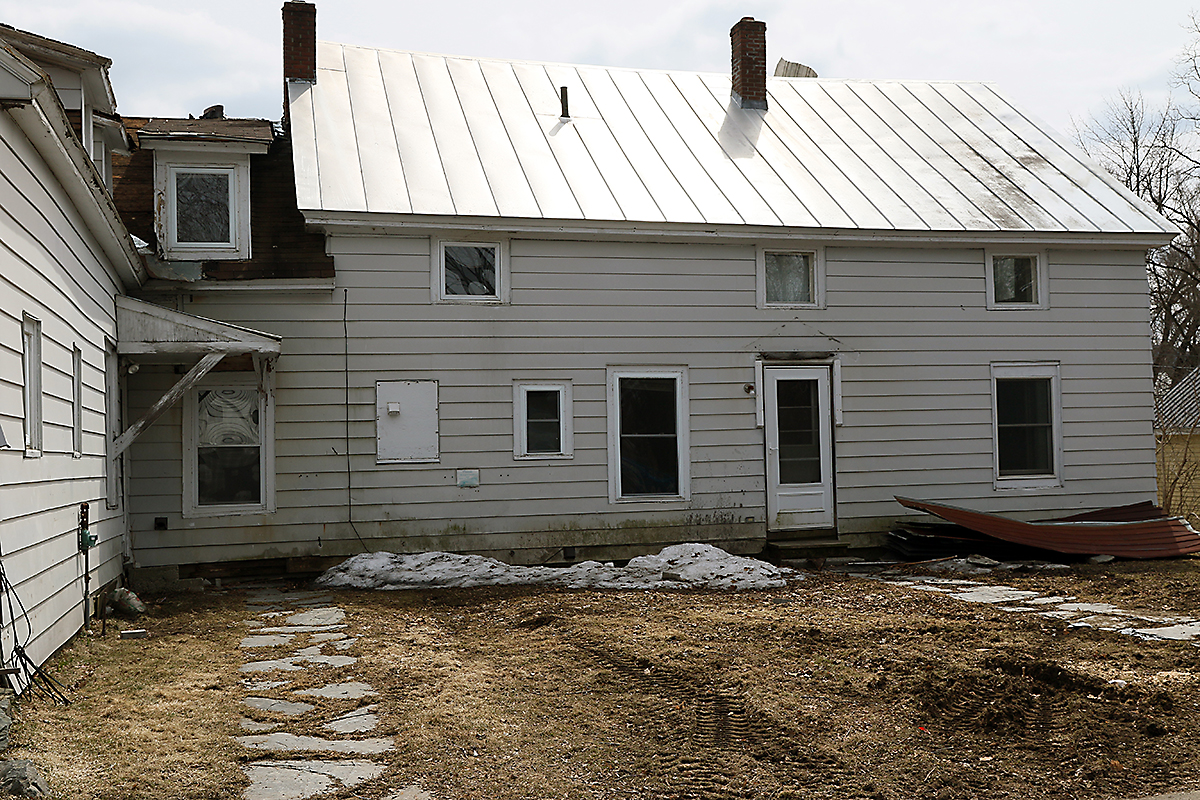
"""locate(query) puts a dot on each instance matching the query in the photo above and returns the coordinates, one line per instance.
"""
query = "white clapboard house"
(580, 312)
(67, 328)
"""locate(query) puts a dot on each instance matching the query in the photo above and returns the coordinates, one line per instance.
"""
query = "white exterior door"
(799, 436)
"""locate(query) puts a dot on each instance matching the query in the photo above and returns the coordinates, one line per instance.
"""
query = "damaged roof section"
(280, 246)
(1111, 532)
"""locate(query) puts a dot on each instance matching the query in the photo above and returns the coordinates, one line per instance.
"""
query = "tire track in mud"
(718, 748)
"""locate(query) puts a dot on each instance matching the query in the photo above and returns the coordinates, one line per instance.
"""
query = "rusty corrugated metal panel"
(1135, 512)
(1163, 537)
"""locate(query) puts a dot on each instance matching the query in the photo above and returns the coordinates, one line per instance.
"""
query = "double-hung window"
(648, 434)
(790, 278)
(469, 272)
(1016, 280)
(228, 448)
(31, 363)
(1027, 426)
(542, 425)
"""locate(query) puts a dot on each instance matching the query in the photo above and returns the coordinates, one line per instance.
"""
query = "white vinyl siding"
(53, 269)
(911, 325)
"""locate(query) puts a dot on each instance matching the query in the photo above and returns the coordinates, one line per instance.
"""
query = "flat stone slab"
(285, 707)
(303, 629)
(357, 721)
(262, 686)
(292, 663)
(350, 690)
(410, 793)
(299, 780)
(318, 616)
(254, 726)
(268, 640)
(289, 741)
(285, 664)
(345, 644)
(327, 637)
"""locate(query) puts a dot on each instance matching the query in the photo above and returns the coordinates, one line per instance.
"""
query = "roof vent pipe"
(748, 40)
(562, 96)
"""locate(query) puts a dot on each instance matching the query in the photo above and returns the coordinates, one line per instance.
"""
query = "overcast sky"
(1057, 58)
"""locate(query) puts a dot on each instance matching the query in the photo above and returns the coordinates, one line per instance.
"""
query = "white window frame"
(1041, 279)
(237, 166)
(1045, 369)
(566, 427)
(682, 438)
(31, 368)
(266, 416)
(76, 402)
(438, 272)
(818, 279)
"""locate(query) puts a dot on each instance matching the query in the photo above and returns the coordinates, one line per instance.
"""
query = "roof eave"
(352, 222)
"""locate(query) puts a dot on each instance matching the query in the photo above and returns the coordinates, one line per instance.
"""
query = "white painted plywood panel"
(542, 171)
(304, 145)
(428, 191)
(669, 197)
(406, 421)
(338, 167)
(581, 172)
(383, 175)
(465, 175)
(509, 185)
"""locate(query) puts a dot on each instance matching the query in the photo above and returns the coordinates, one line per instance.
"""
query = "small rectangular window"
(112, 424)
(790, 278)
(77, 402)
(470, 271)
(542, 426)
(1027, 448)
(1015, 280)
(648, 420)
(203, 206)
(31, 361)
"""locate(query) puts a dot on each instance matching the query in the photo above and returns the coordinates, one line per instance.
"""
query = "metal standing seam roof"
(417, 134)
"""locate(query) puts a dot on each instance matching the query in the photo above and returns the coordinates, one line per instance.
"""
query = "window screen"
(789, 277)
(1015, 279)
(202, 213)
(470, 270)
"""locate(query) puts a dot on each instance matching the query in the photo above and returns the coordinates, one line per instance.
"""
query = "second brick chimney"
(749, 43)
(299, 41)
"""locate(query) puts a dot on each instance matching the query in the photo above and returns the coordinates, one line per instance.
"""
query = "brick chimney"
(299, 41)
(749, 43)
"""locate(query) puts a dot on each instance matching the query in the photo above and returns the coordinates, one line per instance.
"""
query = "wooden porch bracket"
(122, 442)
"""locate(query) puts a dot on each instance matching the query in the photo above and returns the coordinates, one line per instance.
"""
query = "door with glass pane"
(799, 447)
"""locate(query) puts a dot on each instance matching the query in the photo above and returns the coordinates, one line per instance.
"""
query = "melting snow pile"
(681, 566)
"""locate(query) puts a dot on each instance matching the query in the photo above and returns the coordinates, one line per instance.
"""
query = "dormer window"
(202, 184)
(204, 206)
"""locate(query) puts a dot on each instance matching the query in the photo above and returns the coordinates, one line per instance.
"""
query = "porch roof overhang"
(149, 332)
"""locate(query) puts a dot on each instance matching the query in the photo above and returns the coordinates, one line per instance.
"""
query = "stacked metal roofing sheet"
(410, 133)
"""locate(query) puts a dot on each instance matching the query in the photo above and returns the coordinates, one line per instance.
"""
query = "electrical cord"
(346, 374)
(36, 680)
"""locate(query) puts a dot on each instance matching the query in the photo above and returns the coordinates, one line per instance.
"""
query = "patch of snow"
(679, 566)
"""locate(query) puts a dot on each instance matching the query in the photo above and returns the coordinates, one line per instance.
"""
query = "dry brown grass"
(832, 688)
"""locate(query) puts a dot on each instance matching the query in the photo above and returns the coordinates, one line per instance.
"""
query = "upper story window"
(205, 208)
(470, 272)
(202, 184)
(1016, 280)
(789, 278)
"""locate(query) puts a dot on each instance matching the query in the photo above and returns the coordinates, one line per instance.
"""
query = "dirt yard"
(836, 687)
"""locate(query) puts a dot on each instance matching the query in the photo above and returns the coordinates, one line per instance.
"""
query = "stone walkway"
(1143, 624)
(289, 635)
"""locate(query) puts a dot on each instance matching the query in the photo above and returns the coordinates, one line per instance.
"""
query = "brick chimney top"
(748, 39)
(299, 41)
